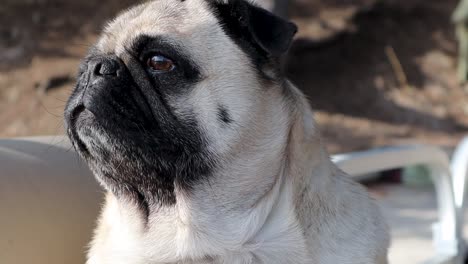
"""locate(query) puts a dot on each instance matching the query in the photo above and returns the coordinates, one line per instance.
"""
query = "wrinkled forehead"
(187, 23)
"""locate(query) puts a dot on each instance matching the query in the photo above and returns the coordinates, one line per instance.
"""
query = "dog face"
(177, 95)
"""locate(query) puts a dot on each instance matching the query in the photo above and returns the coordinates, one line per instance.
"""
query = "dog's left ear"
(271, 32)
(246, 22)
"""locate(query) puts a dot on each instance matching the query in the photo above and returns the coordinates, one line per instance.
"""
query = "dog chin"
(121, 164)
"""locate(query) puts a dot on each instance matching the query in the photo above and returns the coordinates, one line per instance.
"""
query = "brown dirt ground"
(340, 59)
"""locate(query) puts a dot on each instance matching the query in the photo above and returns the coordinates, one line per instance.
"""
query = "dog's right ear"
(254, 26)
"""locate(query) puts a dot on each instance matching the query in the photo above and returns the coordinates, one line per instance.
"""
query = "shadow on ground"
(349, 73)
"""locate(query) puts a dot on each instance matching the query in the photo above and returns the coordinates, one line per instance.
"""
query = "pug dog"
(207, 152)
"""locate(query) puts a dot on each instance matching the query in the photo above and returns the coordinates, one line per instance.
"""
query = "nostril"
(97, 68)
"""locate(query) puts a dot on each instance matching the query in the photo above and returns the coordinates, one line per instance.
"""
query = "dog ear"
(247, 23)
(271, 32)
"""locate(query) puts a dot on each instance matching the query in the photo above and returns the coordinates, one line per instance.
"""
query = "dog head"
(179, 95)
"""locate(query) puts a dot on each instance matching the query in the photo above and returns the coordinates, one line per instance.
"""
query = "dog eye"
(160, 64)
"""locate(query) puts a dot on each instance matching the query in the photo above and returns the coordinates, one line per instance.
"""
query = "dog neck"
(268, 233)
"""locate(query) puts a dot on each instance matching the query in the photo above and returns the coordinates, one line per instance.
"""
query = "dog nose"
(104, 67)
(107, 75)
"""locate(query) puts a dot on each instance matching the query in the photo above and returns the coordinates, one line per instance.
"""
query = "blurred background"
(376, 72)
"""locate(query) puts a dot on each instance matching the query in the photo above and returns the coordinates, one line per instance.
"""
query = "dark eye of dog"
(160, 64)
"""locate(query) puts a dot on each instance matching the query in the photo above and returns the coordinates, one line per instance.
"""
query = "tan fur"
(277, 197)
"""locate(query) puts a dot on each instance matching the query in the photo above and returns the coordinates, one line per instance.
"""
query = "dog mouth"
(72, 130)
